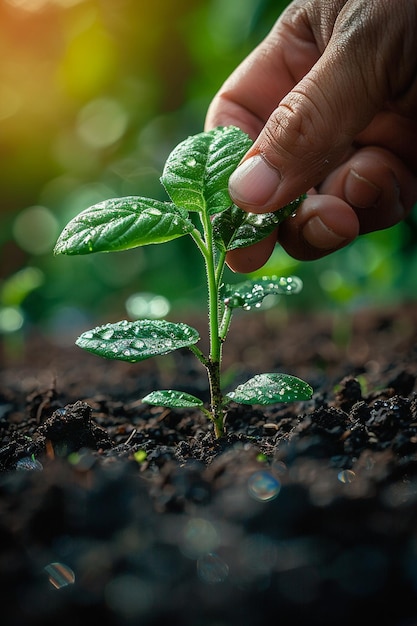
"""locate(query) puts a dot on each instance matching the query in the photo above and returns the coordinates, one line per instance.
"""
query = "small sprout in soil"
(195, 176)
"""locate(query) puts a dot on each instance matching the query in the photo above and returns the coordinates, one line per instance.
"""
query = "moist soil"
(116, 512)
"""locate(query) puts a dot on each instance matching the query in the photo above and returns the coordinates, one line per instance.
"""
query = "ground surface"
(303, 514)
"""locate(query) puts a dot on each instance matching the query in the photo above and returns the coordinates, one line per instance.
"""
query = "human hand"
(330, 99)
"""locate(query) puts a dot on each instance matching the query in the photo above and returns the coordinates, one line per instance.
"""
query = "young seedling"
(195, 177)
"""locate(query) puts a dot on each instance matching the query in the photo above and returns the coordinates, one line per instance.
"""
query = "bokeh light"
(93, 97)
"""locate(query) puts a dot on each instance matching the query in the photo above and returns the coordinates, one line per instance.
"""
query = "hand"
(330, 99)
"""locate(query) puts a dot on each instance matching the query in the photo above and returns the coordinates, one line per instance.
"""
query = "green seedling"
(195, 176)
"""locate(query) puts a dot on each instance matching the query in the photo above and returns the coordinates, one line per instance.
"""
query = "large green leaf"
(137, 341)
(123, 223)
(172, 399)
(196, 173)
(270, 389)
(252, 292)
(234, 228)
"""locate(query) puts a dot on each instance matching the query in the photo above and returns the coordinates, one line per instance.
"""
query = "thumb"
(313, 128)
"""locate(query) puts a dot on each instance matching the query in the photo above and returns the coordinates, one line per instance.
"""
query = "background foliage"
(94, 94)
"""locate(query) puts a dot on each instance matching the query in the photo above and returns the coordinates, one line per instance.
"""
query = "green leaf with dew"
(271, 388)
(252, 292)
(137, 341)
(235, 228)
(123, 223)
(196, 173)
(172, 399)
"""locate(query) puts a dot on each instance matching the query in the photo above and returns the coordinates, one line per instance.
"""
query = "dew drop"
(107, 334)
(191, 162)
(153, 211)
(60, 575)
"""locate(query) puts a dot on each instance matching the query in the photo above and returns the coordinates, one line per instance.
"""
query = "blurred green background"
(94, 94)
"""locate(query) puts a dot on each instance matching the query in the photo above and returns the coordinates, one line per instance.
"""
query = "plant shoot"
(195, 177)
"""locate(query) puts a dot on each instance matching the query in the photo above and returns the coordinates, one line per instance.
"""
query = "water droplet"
(154, 211)
(60, 575)
(263, 486)
(107, 334)
(88, 335)
(346, 476)
(127, 352)
(191, 162)
(212, 569)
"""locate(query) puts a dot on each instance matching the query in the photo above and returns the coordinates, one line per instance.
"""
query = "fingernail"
(360, 192)
(318, 235)
(254, 182)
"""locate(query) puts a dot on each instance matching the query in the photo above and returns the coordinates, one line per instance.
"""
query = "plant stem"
(213, 364)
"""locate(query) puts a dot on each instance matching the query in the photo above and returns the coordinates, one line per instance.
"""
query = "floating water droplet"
(263, 486)
(346, 476)
(60, 575)
(212, 569)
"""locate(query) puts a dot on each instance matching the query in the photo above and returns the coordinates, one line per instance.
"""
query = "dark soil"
(116, 513)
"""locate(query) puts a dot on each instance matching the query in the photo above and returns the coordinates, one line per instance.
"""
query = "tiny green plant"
(195, 177)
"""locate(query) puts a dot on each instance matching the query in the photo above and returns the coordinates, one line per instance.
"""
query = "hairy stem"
(214, 273)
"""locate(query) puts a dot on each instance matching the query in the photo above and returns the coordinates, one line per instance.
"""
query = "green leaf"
(252, 292)
(270, 389)
(196, 173)
(123, 223)
(234, 228)
(137, 341)
(172, 399)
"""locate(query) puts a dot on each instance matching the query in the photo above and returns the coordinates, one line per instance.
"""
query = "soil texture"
(116, 512)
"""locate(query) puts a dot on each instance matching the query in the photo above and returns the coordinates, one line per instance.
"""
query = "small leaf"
(252, 292)
(196, 173)
(123, 223)
(137, 341)
(172, 399)
(270, 389)
(234, 228)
